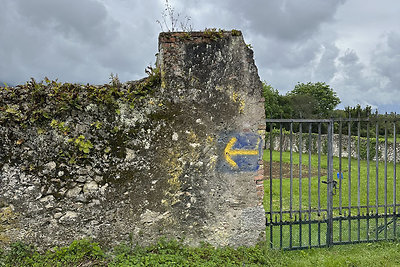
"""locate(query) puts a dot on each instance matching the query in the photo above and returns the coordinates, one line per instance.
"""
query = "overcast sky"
(352, 45)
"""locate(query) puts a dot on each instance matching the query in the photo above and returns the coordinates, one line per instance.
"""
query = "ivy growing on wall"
(47, 100)
(49, 107)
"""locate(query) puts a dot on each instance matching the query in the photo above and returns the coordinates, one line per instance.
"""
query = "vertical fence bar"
(340, 170)
(319, 233)
(340, 229)
(358, 167)
(291, 171)
(368, 186)
(358, 177)
(349, 181)
(309, 230)
(329, 234)
(309, 168)
(295, 219)
(290, 234)
(385, 186)
(319, 169)
(280, 184)
(270, 184)
(300, 182)
(394, 181)
(345, 215)
(309, 182)
(376, 176)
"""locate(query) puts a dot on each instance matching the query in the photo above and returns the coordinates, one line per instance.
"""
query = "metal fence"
(331, 181)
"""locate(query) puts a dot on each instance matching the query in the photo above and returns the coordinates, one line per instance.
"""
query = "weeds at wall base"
(87, 253)
(175, 253)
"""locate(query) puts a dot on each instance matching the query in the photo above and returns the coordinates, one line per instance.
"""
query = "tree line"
(317, 101)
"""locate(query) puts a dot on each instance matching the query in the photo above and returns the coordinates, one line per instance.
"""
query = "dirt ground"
(286, 170)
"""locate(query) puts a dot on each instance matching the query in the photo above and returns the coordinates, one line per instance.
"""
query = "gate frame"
(330, 181)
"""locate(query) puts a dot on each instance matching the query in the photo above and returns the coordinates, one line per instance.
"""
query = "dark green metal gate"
(331, 181)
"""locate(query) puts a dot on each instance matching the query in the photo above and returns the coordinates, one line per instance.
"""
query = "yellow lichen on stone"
(175, 170)
(219, 88)
(242, 105)
(238, 99)
(192, 137)
(7, 221)
(212, 162)
(175, 162)
(194, 80)
(261, 132)
(163, 85)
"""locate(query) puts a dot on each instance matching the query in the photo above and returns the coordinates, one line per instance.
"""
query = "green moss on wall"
(38, 102)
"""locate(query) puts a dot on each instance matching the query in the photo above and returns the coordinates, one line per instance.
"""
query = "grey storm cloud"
(326, 67)
(81, 21)
(53, 38)
(375, 86)
(387, 62)
(285, 20)
(75, 41)
(353, 45)
(351, 68)
(350, 79)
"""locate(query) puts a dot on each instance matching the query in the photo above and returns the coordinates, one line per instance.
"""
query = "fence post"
(329, 232)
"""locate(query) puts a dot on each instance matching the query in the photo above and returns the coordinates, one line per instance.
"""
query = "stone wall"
(183, 161)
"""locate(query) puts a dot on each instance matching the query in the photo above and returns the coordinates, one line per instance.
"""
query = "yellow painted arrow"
(229, 152)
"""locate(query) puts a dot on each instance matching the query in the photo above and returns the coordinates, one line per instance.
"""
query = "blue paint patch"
(243, 154)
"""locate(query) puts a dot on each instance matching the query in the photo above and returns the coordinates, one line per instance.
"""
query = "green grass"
(375, 254)
(391, 139)
(174, 253)
(349, 230)
(344, 183)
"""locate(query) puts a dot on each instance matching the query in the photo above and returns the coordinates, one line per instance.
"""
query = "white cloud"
(386, 62)
(325, 68)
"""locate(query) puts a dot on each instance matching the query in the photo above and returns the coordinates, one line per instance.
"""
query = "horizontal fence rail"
(331, 181)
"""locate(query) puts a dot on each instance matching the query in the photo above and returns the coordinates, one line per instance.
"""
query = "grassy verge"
(173, 253)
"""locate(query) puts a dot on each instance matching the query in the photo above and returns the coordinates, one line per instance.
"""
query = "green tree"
(276, 105)
(325, 98)
(302, 106)
(356, 111)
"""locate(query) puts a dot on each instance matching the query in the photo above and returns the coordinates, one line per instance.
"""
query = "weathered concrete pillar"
(212, 78)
